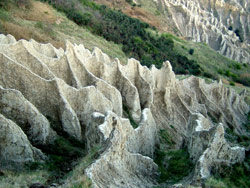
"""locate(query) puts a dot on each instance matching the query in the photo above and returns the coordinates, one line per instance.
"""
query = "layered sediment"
(87, 96)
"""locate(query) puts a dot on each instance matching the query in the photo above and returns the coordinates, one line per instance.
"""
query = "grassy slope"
(45, 24)
(214, 64)
(41, 21)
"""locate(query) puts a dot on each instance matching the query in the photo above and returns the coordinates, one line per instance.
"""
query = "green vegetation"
(174, 165)
(239, 139)
(131, 33)
(215, 66)
(66, 163)
(121, 36)
(235, 176)
(129, 1)
(24, 3)
(128, 115)
(47, 28)
(165, 138)
(4, 15)
(191, 51)
(215, 183)
(232, 83)
(143, 42)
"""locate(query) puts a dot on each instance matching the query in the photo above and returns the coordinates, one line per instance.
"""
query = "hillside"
(78, 118)
(223, 25)
(89, 97)
(44, 24)
(143, 44)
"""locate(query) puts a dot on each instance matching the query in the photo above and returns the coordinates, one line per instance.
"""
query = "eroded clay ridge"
(84, 95)
(223, 25)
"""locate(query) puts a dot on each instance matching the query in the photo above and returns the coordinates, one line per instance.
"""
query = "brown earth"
(42, 14)
(135, 12)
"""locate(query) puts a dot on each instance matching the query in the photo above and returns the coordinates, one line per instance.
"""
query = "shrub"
(243, 79)
(232, 83)
(215, 183)
(210, 75)
(173, 165)
(236, 175)
(4, 4)
(220, 71)
(4, 15)
(227, 73)
(237, 66)
(191, 51)
(129, 1)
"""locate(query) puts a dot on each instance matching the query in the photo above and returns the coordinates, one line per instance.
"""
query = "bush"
(236, 175)
(79, 18)
(220, 71)
(4, 15)
(129, 1)
(237, 66)
(173, 165)
(228, 73)
(232, 83)
(191, 51)
(215, 183)
(210, 75)
(243, 79)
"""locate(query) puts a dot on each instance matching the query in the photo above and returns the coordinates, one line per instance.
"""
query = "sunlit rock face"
(223, 25)
(86, 94)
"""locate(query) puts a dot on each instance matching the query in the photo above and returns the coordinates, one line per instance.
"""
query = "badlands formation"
(84, 94)
(222, 24)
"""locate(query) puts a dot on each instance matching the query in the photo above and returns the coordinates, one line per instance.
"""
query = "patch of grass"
(235, 176)
(173, 165)
(239, 139)
(165, 137)
(46, 27)
(23, 179)
(76, 177)
(4, 15)
(208, 59)
(129, 116)
(215, 183)
(232, 83)
(52, 170)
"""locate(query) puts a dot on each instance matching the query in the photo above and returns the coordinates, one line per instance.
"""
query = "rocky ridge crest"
(223, 25)
(84, 94)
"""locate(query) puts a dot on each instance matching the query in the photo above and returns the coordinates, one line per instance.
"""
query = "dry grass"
(135, 12)
(41, 12)
(22, 180)
(44, 24)
(24, 32)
